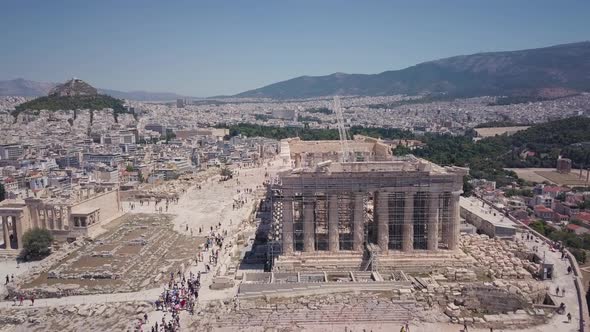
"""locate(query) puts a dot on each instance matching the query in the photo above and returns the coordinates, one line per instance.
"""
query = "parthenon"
(381, 203)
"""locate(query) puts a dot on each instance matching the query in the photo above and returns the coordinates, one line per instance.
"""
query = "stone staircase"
(376, 311)
(320, 262)
(417, 261)
(248, 291)
(9, 254)
(421, 261)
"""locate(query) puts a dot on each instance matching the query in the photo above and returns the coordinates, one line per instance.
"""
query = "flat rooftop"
(297, 146)
(83, 210)
(485, 212)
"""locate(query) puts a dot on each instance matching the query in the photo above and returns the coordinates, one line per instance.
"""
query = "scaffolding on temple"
(364, 211)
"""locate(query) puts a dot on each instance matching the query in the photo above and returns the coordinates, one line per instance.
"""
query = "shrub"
(36, 244)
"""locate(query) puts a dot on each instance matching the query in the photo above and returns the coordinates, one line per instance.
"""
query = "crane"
(346, 155)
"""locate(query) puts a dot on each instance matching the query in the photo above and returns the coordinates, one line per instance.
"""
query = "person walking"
(32, 299)
(569, 317)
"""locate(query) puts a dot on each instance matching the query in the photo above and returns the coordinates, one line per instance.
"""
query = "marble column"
(333, 236)
(287, 225)
(308, 226)
(5, 232)
(56, 218)
(432, 236)
(382, 210)
(358, 232)
(454, 220)
(40, 218)
(17, 232)
(48, 221)
(408, 225)
(34, 221)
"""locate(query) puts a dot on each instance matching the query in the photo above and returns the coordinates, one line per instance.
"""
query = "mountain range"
(526, 72)
(553, 71)
(26, 88)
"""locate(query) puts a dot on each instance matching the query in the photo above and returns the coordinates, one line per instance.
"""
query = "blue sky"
(205, 48)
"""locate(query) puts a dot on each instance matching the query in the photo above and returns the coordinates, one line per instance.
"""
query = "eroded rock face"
(490, 299)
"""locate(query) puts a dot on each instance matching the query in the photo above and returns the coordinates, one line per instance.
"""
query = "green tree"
(401, 150)
(169, 136)
(467, 187)
(542, 227)
(582, 205)
(2, 192)
(129, 168)
(226, 172)
(36, 244)
(580, 255)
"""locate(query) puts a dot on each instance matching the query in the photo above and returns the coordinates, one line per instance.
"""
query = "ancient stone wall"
(490, 299)
(107, 202)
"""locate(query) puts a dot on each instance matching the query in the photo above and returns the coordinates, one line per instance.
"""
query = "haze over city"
(209, 48)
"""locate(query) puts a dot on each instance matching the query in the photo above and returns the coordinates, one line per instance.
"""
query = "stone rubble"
(80, 317)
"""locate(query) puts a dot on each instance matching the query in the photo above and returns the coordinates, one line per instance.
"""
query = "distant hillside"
(534, 72)
(142, 95)
(55, 103)
(74, 94)
(26, 88)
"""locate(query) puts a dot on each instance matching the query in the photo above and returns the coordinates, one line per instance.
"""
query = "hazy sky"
(205, 48)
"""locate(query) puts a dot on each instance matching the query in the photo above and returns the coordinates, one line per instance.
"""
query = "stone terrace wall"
(107, 202)
(492, 299)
